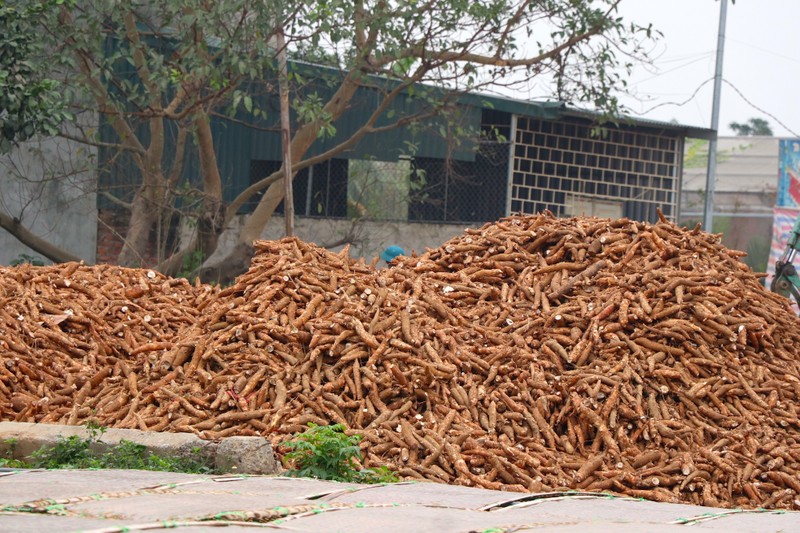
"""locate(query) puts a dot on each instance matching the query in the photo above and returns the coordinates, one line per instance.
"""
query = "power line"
(765, 50)
(736, 89)
(679, 104)
(683, 65)
(751, 104)
(690, 57)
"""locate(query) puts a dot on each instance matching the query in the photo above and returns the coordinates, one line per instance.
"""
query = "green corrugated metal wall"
(236, 145)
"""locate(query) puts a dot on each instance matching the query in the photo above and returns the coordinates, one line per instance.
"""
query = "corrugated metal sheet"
(668, 128)
(428, 138)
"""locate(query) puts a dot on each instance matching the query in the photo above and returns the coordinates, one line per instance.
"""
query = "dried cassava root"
(531, 354)
(69, 334)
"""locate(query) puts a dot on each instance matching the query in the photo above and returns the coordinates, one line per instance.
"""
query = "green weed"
(327, 452)
(78, 452)
(9, 461)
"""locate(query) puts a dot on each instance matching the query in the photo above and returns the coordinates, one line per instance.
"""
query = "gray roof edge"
(691, 132)
(530, 108)
(555, 110)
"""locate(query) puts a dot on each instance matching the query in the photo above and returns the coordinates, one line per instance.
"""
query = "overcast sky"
(761, 61)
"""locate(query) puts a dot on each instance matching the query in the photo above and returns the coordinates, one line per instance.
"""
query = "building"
(417, 187)
(745, 192)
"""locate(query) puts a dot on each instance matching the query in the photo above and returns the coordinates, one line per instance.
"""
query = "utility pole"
(711, 173)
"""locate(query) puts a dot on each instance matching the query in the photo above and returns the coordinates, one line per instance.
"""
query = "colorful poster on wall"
(782, 224)
(789, 173)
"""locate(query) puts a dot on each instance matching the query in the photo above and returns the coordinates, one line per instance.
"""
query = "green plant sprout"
(327, 452)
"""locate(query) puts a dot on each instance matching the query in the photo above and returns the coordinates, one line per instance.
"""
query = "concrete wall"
(49, 185)
(368, 238)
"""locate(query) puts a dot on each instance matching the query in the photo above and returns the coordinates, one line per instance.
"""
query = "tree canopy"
(30, 100)
(157, 73)
(754, 126)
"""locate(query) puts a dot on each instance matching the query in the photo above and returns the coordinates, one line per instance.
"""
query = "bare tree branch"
(34, 242)
(114, 200)
(367, 128)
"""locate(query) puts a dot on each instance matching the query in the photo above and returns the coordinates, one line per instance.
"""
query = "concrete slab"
(605, 508)
(243, 455)
(296, 490)
(115, 501)
(36, 523)
(179, 506)
(423, 493)
(370, 518)
(745, 522)
(29, 485)
(30, 523)
(423, 519)
(641, 512)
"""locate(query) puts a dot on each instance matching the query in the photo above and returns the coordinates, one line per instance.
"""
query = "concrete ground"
(107, 501)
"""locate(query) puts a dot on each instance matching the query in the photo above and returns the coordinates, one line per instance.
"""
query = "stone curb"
(242, 455)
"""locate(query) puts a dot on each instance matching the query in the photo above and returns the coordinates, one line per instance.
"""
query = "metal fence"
(743, 218)
(565, 167)
(571, 168)
(405, 190)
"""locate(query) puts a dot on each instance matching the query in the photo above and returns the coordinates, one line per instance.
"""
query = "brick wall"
(111, 227)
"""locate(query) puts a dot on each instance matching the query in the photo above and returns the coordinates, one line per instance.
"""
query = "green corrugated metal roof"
(549, 110)
(691, 132)
(528, 108)
(429, 138)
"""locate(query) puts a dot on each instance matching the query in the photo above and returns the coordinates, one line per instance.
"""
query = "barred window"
(319, 191)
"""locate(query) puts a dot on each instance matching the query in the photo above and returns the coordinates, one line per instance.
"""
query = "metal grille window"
(319, 191)
(461, 191)
(557, 165)
(379, 190)
(562, 167)
(419, 189)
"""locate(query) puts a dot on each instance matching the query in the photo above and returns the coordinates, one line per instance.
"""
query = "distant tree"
(754, 126)
(30, 103)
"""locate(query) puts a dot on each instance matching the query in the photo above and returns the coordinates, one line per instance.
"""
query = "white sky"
(761, 60)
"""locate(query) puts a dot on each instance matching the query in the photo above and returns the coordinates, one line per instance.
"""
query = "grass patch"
(79, 452)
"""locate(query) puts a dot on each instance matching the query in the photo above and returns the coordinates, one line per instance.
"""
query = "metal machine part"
(786, 281)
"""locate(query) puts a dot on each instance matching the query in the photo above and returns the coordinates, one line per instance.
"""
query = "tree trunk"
(225, 272)
(260, 216)
(239, 259)
(144, 215)
(212, 220)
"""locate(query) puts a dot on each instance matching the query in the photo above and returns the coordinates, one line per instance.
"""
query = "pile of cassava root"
(532, 354)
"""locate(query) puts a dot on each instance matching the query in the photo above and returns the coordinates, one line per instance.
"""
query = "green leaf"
(325, 452)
